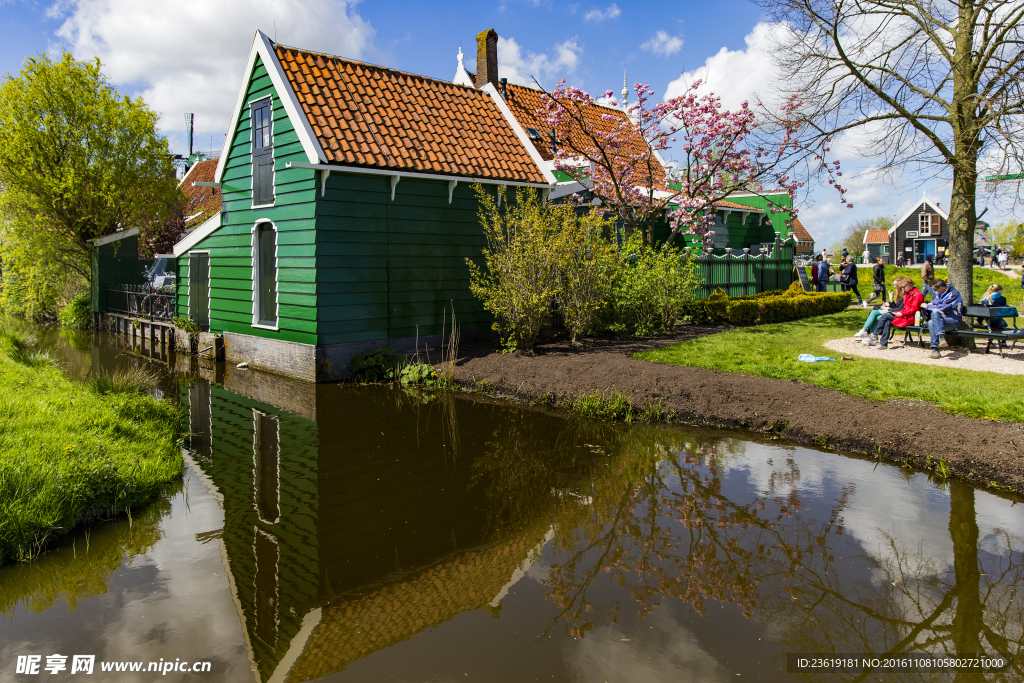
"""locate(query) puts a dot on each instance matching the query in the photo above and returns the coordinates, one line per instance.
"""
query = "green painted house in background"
(347, 211)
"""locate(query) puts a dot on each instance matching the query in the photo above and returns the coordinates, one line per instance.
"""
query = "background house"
(878, 245)
(921, 231)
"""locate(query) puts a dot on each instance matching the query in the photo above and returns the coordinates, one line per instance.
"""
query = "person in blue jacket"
(945, 315)
(823, 273)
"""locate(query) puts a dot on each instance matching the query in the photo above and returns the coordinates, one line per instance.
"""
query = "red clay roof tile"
(374, 115)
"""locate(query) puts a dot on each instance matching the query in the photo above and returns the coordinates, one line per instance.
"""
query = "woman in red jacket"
(912, 300)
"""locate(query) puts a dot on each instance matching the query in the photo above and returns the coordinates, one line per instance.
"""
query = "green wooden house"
(347, 211)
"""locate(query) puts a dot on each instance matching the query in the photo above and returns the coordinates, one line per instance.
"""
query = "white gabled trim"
(107, 239)
(913, 210)
(263, 47)
(566, 189)
(196, 236)
(524, 139)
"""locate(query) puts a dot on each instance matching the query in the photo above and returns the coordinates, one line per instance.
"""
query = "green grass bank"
(772, 350)
(70, 455)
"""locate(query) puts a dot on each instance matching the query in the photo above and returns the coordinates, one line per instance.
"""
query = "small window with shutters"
(936, 225)
(924, 223)
(262, 154)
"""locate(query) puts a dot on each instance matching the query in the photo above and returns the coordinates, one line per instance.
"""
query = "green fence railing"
(771, 267)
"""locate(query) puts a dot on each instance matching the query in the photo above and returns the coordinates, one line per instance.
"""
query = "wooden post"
(728, 271)
(746, 270)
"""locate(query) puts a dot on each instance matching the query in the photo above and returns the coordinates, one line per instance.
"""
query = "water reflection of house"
(329, 524)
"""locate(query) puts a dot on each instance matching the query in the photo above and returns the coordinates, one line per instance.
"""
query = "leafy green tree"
(853, 239)
(77, 161)
(1009, 236)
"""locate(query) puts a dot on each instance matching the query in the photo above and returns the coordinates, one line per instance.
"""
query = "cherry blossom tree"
(619, 158)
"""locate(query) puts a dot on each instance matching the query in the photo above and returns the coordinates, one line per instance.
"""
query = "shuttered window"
(262, 154)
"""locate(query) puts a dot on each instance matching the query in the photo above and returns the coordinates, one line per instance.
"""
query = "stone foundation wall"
(327, 363)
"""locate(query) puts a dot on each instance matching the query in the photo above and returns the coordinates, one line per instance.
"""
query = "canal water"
(348, 533)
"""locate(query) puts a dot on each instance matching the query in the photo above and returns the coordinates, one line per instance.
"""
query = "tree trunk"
(968, 619)
(963, 214)
(963, 210)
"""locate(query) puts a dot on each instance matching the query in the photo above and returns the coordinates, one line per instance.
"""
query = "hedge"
(768, 307)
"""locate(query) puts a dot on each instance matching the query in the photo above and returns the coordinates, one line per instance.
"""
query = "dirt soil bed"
(907, 432)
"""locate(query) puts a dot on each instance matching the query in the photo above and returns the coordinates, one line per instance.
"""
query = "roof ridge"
(542, 92)
(374, 66)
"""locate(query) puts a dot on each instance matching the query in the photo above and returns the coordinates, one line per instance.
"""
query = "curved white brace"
(394, 184)
(453, 183)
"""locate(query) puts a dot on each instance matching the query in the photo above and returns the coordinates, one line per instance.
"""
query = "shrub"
(586, 269)
(187, 324)
(77, 315)
(711, 311)
(742, 312)
(377, 365)
(653, 286)
(418, 373)
(520, 275)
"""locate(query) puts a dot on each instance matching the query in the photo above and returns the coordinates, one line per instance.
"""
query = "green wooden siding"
(230, 247)
(394, 269)
(115, 262)
(778, 219)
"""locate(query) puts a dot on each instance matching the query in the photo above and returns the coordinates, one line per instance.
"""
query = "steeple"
(461, 75)
(625, 90)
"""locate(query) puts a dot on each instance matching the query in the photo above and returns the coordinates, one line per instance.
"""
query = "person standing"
(945, 315)
(878, 274)
(823, 273)
(927, 276)
(848, 279)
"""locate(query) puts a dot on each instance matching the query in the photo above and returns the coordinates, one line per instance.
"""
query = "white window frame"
(924, 225)
(255, 276)
(277, 581)
(273, 154)
(255, 465)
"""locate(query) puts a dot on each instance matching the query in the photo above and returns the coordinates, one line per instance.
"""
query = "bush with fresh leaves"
(767, 307)
(743, 312)
(377, 365)
(77, 315)
(653, 286)
(419, 373)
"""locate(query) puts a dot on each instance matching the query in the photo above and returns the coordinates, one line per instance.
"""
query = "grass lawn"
(69, 455)
(771, 351)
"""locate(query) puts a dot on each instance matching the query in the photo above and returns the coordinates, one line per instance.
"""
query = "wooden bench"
(977, 313)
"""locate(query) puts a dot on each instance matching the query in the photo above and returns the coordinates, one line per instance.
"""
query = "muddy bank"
(920, 435)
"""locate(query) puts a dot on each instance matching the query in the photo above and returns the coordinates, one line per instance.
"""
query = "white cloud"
(663, 44)
(189, 57)
(736, 75)
(610, 12)
(521, 66)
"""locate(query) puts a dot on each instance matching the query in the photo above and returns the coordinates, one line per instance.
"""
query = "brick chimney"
(487, 58)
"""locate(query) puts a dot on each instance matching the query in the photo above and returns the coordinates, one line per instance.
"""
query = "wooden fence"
(745, 273)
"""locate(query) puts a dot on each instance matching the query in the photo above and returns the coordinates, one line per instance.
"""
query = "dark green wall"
(394, 269)
(115, 263)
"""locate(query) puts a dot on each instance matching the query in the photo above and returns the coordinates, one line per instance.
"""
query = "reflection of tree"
(81, 567)
(660, 526)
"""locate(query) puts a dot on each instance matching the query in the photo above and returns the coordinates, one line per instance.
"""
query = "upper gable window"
(262, 154)
(924, 223)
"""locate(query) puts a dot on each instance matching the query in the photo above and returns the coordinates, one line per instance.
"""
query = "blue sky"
(188, 56)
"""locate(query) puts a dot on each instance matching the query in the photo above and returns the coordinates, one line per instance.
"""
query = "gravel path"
(1011, 364)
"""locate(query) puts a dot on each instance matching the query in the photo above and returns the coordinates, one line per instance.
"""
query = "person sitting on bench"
(994, 298)
(864, 334)
(912, 300)
(945, 315)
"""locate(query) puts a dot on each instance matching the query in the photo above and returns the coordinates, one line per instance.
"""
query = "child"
(994, 298)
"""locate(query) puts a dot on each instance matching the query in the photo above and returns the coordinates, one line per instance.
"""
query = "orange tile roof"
(203, 202)
(524, 103)
(733, 205)
(365, 115)
(801, 232)
(876, 237)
